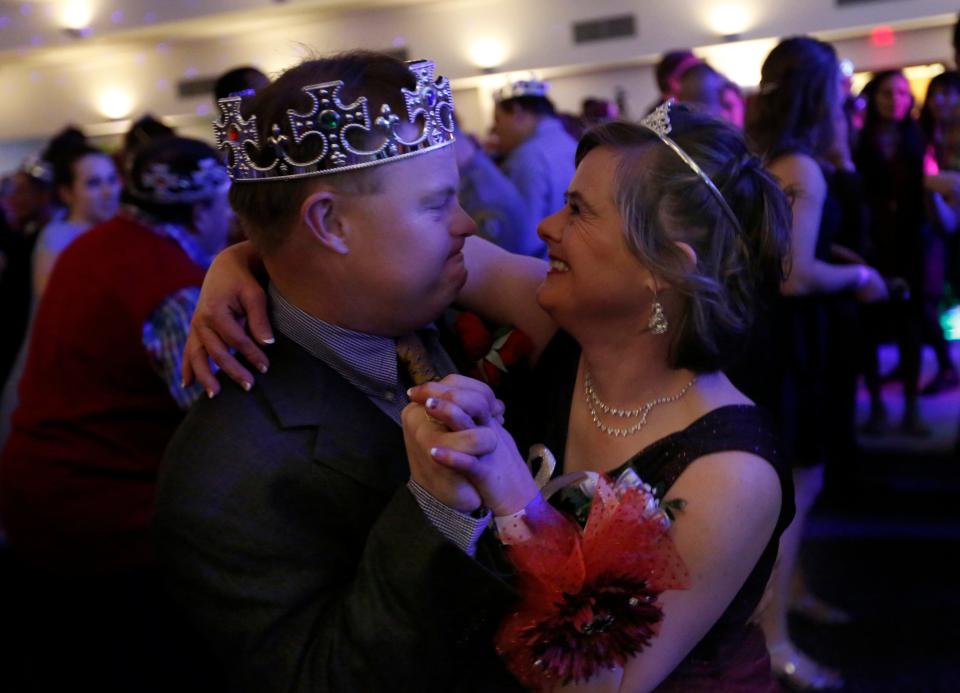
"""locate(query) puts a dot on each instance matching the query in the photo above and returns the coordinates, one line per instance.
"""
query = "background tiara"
(38, 168)
(523, 87)
(158, 183)
(336, 127)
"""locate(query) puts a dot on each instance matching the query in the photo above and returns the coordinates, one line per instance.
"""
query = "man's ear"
(321, 213)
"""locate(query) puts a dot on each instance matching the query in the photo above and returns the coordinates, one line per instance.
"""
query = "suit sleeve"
(311, 582)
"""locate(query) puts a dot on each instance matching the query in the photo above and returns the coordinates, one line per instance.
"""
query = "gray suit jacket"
(293, 544)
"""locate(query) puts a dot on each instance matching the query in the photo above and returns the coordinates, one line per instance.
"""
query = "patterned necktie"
(414, 357)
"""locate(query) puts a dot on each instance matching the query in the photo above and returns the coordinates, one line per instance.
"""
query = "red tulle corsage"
(589, 598)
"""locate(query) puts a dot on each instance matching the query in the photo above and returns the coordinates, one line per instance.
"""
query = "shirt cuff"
(457, 527)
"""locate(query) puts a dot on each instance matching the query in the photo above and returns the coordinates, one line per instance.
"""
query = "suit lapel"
(353, 435)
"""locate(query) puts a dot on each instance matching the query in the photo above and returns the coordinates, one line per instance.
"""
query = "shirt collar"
(367, 361)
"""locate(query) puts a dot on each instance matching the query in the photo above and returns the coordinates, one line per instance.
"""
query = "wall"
(43, 89)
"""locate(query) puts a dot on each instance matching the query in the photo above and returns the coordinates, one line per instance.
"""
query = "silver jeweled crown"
(334, 124)
(523, 87)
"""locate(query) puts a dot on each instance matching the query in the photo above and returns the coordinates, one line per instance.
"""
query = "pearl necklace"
(594, 402)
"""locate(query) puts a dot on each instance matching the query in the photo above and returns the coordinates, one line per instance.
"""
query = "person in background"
(239, 81)
(707, 90)
(30, 204)
(142, 132)
(594, 111)
(492, 200)
(670, 70)
(791, 122)
(701, 87)
(890, 156)
(733, 105)
(100, 397)
(88, 186)
(538, 150)
(940, 122)
(846, 221)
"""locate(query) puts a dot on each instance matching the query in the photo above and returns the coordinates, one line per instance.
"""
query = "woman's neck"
(629, 370)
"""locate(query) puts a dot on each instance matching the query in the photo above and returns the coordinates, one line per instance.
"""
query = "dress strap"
(733, 428)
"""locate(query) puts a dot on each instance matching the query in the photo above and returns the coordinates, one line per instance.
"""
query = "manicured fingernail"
(211, 394)
(410, 393)
(262, 368)
(183, 383)
(434, 452)
(246, 385)
(432, 403)
(269, 340)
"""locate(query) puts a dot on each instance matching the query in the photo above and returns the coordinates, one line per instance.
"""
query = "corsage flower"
(590, 595)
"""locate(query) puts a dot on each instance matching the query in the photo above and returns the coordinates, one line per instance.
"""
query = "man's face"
(404, 259)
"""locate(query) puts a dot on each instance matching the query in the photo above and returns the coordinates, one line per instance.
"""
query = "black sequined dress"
(732, 657)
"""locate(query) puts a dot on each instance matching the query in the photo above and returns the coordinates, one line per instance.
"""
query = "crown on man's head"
(523, 87)
(334, 124)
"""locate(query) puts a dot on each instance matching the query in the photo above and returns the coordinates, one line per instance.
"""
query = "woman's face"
(894, 99)
(593, 277)
(94, 195)
(944, 101)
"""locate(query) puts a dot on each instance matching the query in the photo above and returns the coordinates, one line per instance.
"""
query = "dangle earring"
(658, 321)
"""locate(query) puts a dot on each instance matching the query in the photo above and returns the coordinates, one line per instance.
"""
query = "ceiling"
(28, 26)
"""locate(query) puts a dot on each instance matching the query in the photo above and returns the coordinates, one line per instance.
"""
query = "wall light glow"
(730, 19)
(740, 61)
(115, 103)
(76, 14)
(487, 53)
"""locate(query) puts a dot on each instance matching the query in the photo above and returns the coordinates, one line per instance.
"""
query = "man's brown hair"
(269, 209)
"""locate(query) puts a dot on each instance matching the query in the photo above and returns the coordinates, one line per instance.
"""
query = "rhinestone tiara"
(658, 122)
(334, 124)
(523, 87)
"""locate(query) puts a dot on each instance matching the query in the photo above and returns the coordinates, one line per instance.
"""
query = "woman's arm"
(800, 176)
(231, 302)
(732, 505)
(502, 287)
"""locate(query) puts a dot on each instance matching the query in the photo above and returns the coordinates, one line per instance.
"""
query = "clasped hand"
(459, 451)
